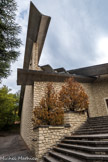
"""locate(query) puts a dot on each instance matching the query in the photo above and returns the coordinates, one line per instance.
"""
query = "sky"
(77, 34)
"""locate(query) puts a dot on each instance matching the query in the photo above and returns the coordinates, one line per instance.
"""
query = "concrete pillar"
(35, 56)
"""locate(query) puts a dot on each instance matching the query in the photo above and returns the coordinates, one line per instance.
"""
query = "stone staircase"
(88, 144)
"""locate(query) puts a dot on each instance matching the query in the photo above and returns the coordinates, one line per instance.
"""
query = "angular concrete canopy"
(37, 30)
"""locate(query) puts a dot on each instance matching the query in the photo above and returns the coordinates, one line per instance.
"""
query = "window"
(106, 102)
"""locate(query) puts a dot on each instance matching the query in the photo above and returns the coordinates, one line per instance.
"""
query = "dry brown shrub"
(73, 96)
(49, 111)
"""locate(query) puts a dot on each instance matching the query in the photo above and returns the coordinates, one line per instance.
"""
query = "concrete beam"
(28, 77)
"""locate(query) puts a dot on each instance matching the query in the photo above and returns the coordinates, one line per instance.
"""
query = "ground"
(13, 148)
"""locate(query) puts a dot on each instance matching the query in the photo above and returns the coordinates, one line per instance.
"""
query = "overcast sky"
(77, 35)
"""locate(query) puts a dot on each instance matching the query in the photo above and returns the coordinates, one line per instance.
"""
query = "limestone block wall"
(75, 119)
(39, 90)
(87, 88)
(99, 93)
(46, 137)
(92, 110)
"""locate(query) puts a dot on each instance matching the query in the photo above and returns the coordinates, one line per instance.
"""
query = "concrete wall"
(27, 109)
(26, 117)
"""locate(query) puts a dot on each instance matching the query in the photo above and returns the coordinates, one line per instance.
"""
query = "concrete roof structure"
(91, 70)
(47, 68)
(28, 77)
(37, 30)
(82, 75)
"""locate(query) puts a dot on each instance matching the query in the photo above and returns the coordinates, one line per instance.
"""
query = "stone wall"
(46, 137)
(97, 92)
(39, 90)
(75, 119)
(88, 89)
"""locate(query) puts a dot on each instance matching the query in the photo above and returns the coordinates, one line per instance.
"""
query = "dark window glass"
(107, 102)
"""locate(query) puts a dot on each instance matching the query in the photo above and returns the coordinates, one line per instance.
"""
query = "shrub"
(73, 96)
(49, 111)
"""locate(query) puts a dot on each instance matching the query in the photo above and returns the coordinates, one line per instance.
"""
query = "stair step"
(50, 159)
(93, 126)
(96, 123)
(82, 155)
(64, 158)
(86, 143)
(90, 137)
(98, 118)
(84, 148)
(91, 132)
(90, 129)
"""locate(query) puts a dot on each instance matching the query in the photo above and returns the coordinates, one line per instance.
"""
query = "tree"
(9, 41)
(8, 107)
(49, 111)
(73, 97)
(16, 106)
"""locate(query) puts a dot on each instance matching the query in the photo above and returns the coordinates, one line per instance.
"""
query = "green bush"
(8, 107)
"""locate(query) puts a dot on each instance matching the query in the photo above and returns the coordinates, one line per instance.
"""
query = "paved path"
(13, 149)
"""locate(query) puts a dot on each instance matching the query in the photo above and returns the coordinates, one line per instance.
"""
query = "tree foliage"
(9, 41)
(8, 107)
(49, 112)
(73, 96)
